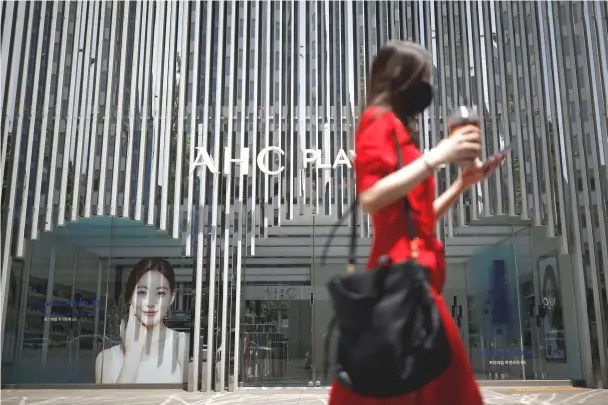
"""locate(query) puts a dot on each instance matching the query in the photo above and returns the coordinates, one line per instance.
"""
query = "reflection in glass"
(552, 315)
(494, 324)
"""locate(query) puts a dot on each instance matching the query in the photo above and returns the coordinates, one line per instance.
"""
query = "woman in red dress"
(400, 89)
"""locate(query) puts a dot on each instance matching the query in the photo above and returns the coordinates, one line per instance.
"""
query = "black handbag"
(391, 339)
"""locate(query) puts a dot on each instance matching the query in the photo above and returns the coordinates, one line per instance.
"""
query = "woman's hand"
(471, 174)
(479, 170)
(463, 145)
(133, 334)
(134, 337)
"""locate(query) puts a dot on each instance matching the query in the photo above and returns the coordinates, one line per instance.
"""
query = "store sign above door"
(314, 157)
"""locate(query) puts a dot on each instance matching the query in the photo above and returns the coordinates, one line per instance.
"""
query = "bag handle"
(410, 227)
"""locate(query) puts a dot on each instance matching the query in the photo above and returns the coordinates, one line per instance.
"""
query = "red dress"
(375, 158)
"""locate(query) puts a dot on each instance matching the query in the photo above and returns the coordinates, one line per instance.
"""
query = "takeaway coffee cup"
(460, 117)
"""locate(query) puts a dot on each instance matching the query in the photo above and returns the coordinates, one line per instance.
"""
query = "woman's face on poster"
(152, 298)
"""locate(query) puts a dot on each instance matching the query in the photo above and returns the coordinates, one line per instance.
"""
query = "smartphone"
(503, 152)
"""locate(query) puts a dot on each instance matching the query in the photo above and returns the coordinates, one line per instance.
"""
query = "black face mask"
(417, 98)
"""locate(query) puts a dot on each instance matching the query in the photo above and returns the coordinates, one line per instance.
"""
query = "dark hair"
(556, 314)
(144, 266)
(397, 67)
(549, 276)
(12, 292)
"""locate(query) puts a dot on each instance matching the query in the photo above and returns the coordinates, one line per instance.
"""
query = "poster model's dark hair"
(550, 275)
(399, 67)
(12, 292)
(144, 266)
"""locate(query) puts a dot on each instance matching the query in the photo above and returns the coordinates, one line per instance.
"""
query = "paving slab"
(277, 396)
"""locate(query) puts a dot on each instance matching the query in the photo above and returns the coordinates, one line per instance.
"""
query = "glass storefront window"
(59, 317)
(511, 301)
(519, 295)
(70, 300)
(494, 322)
(276, 332)
(69, 308)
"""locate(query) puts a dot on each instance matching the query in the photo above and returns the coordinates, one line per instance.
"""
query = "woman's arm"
(377, 188)
(395, 186)
(471, 174)
(443, 203)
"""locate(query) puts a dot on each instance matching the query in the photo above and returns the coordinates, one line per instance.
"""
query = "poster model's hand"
(132, 334)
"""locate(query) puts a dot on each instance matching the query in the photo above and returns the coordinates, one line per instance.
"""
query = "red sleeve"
(374, 151)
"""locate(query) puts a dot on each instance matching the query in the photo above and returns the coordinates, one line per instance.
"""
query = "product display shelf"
(473, 325)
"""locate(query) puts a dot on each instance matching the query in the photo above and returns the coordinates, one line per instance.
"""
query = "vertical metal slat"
(479, 30)
(254, 130)
(557, 129)
(531, 137)
(217, 140)
(200, 215)
(159, 52)
(147, 101)
(228, 203)
(30, 137)
(108, 109)
(83, 125)
(136, 88)
(505, 110)
(540, 115)
(169, 83)
(45, 117)
(241, 203)
(490, 91)
(518, 130)
(58, 108)
(264, 221)
(181, 118)
(11, 89)
(118, 133)
(72, 109)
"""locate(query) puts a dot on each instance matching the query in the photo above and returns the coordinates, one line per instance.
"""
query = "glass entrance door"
(276, 335)
(531, 334)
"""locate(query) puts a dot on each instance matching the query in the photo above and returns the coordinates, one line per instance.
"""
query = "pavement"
(277, 396)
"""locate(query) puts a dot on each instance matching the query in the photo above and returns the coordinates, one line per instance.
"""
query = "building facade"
(219, 135)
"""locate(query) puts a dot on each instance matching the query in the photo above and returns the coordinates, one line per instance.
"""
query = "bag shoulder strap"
(410, 226)
(409, 219)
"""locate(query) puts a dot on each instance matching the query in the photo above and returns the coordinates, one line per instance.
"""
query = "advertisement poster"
(553, 322)
(149, 351)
